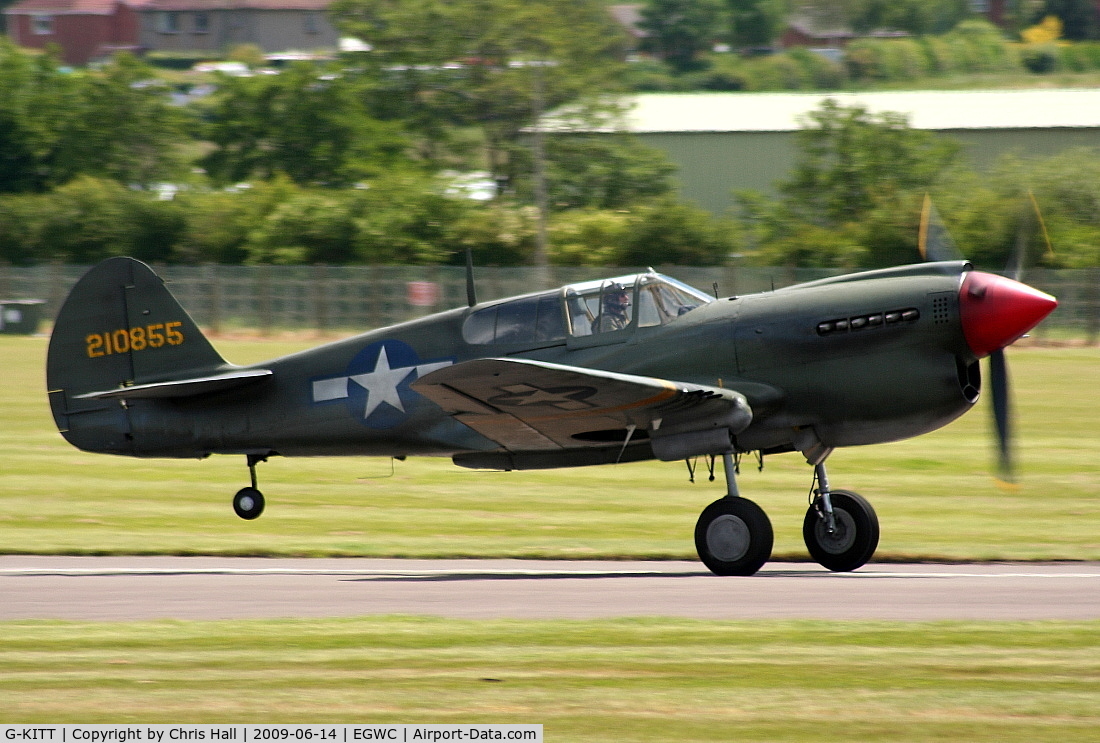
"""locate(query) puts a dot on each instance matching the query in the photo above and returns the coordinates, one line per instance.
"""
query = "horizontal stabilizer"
(181, 387)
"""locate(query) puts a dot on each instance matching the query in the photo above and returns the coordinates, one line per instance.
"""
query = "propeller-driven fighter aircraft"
(631, 368)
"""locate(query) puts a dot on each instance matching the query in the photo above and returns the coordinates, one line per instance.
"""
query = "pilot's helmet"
(616, 297)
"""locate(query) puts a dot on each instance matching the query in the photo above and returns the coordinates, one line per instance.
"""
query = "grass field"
(934, 494)
(617, 680)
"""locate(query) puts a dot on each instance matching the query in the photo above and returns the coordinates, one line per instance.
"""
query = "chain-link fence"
(357, 298)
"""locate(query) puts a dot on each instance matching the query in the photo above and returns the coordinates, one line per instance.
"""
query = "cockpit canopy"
(584, 309)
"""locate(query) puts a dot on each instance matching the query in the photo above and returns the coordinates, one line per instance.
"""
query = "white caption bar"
(266, 733)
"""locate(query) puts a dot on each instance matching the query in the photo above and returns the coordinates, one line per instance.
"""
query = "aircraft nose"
(997, 311)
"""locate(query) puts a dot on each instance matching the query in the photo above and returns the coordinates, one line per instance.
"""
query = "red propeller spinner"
(997, 311)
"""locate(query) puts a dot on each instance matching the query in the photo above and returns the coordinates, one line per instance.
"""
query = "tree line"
(358, 161)
(972, 47)
(932, 37)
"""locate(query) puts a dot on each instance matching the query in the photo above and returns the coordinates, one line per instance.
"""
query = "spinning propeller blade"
(998, 365)
(1002, 417)
(996, 312)
(1031, 223)
(934, 241)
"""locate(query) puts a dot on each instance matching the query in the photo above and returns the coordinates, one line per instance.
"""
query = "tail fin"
(118, 327)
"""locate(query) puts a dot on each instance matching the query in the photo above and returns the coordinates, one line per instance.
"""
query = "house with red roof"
(82, 29)
(88, 29)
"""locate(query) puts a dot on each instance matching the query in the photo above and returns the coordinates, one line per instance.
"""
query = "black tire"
(734, 537)
(248, 503)
(856, 536)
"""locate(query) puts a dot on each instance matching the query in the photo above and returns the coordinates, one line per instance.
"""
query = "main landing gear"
(734, 536)
(840, 528)
(248, 503)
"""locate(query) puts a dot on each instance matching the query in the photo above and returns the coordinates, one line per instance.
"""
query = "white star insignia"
(381, 383)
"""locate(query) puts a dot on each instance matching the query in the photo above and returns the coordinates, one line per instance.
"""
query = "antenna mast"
(471, 294)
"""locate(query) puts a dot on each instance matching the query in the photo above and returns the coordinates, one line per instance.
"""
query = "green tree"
(492, 65)
(667, 231)
(312, 226)
(918, 17)
(221, 223)
(21, 217)
(854, 195)
(107, 123)
(600, 171)
(755, 23)
(303, 123)
(851, 161)
(399, 219)
(35, 104)
(403, 220)
(988, 214)
(1066, 190)
(125, 127)
(589, 237)
(89, 219)
(498, 233)
(680, 31)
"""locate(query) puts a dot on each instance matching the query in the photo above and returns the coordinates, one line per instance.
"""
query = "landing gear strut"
(733, 535)
(248, 503)
(840, 528)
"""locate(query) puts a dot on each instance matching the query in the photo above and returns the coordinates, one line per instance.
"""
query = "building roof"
(107, 7)
(927, 109)
(69, 7)
(202, 5)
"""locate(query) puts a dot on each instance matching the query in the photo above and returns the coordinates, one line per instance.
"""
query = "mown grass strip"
(621, 680)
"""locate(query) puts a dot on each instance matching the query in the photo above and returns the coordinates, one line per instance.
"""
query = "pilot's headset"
(616, 297)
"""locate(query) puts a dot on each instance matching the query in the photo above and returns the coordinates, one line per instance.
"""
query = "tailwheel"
(733, 536)
(854, 536)
(248, 503)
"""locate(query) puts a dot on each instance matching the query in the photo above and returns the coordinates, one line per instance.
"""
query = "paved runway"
(131, 588)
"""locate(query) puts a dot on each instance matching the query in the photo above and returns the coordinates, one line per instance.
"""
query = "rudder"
(119, 326)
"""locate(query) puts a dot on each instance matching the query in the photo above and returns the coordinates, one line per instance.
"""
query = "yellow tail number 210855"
(123, 340)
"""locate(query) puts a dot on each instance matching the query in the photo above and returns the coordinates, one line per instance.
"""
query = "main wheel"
(855, 538)
(248, 503)
(733, 537)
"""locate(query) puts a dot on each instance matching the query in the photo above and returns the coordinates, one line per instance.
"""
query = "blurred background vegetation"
(428, 145)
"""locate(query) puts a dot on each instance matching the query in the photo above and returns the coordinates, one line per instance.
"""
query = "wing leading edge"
(536, 407)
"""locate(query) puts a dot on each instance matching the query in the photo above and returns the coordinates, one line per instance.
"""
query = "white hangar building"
(726, 141)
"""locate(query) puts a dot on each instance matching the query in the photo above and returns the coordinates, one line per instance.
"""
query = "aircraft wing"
(527, 405)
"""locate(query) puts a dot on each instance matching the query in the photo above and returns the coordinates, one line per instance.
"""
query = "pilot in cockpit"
(616, 309)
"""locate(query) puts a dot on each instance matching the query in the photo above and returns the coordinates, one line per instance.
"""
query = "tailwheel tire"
(734, 537)
(855, 539)
(248, 503)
